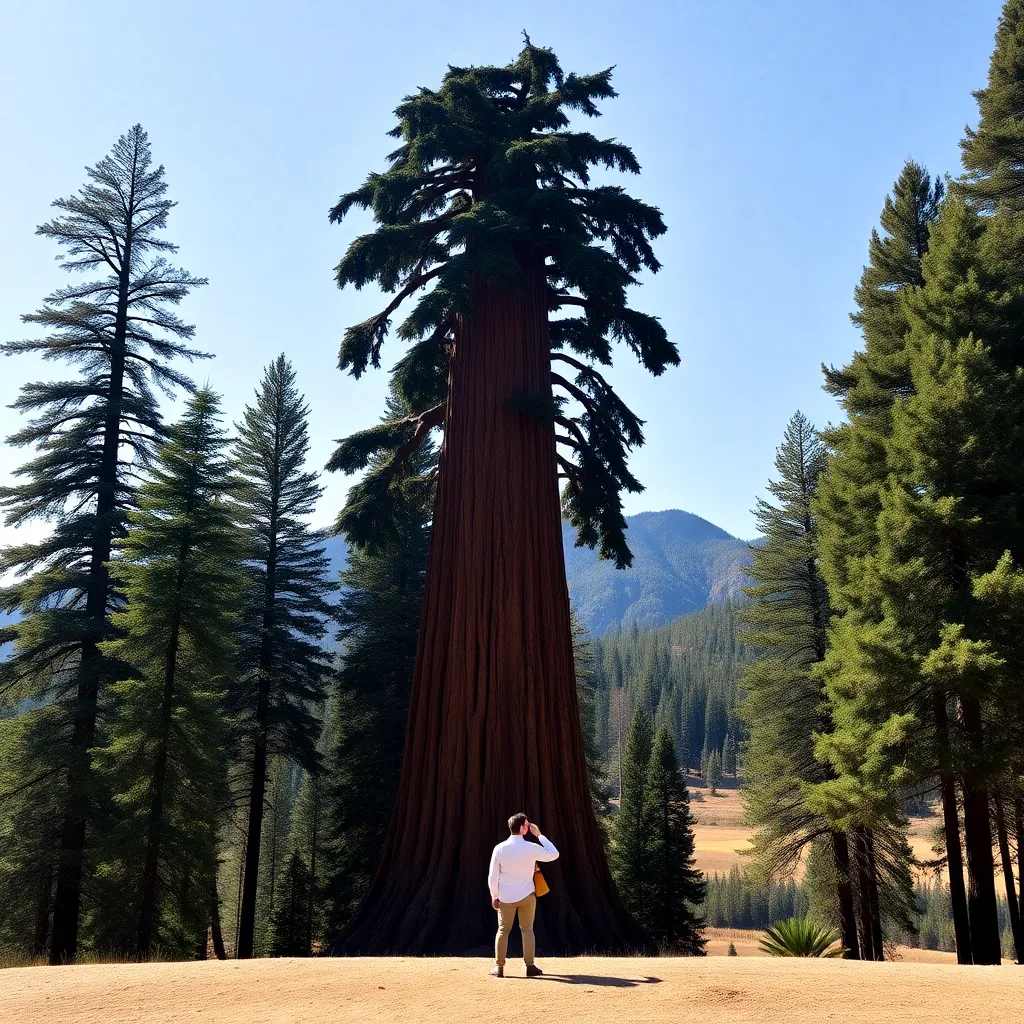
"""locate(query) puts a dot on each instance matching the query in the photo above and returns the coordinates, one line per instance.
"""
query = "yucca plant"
(800, 937)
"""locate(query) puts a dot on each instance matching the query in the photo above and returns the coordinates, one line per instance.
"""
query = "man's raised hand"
(535, 829)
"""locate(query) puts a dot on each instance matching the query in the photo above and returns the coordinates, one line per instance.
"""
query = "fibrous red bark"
(493, 723)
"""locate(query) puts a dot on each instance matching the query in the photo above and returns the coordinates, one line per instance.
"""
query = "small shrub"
(799, 936)
(732, 949)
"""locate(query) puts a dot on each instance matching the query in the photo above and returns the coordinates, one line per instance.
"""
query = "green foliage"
(289, 932)
(284, 665)
(713, 771)
(630, 853)
(651, 853)
(787, 620)
(947, 512)
(308, 839)
(163, 761)
(880, 741)
(800, 937)
(920, 508)
(729, 755)
(993, 153)
(848, 501)
(587, 696)
(275, 847)
(686, 674)
(740, 900)
(732, 949)
(489, 185)
(676, 887)
(93, 434)
(29, 830)
(380, 615)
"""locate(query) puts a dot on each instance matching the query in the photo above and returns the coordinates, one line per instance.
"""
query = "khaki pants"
(526, 909)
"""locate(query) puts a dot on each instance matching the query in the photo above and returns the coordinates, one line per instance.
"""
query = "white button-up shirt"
(511, 874)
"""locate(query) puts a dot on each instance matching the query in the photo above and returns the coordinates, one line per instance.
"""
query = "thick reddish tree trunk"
(493, 722)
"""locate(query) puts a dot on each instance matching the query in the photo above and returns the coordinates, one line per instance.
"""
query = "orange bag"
(540, 886)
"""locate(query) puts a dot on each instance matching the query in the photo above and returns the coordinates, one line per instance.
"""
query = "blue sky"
(769, 134)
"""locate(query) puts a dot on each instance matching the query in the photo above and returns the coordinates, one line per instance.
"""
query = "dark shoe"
(533, 971)
(497, 972)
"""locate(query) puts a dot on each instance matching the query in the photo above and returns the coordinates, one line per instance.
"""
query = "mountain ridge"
(681, 563)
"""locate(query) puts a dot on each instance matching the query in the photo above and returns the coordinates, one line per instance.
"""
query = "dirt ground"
(458, 991)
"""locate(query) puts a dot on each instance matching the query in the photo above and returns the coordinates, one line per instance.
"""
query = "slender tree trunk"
(154, 829)
(257, 796)
(981, 892)
(315, 810)
(494, 724)
(618, 706)
(215, 930)
(238, 888)
(1012, 906)
(41, 932)
(951, 829)
(866, 926)
(1018, 817)
(844, 896)
(258, 786)
(876, 910)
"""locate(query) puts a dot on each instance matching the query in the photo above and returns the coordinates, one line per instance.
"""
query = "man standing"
(512, 892)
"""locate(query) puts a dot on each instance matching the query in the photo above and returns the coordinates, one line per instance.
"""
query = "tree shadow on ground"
(603, 980)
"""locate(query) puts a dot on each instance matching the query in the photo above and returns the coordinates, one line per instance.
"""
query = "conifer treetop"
(993, 153)
(489, 181)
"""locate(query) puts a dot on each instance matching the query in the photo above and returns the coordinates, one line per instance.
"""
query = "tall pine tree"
(916, 666)
(283, 663)
(92, 432)
(848, 502)
(163, 763)
(788, 619)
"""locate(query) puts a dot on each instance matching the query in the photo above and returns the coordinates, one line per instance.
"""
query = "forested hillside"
(680, 564)
(685, 673)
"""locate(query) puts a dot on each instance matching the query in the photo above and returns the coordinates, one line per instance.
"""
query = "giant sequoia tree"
(92, 431)
(488, 207)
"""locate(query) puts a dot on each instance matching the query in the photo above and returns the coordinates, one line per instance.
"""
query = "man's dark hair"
(517, 821)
